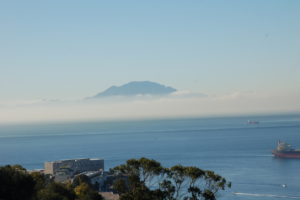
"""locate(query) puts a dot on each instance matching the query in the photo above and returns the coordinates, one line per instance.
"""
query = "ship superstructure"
(285, 150)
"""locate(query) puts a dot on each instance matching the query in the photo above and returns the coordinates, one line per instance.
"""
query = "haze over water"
(236, 150)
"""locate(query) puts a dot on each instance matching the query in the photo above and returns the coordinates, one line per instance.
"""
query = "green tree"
(56, 191)
(121, 186)
(86, 192)
(41, 180)
(147, 179)
(79, 179)
(15, 183)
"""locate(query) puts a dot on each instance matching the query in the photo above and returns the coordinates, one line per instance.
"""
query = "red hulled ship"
(285, 150)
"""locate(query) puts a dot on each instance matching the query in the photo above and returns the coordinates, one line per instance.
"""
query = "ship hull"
(292, 154)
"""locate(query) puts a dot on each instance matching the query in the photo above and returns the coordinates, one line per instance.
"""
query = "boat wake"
(267, 195)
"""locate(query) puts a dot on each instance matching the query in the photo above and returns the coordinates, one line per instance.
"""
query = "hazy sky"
(74, 49)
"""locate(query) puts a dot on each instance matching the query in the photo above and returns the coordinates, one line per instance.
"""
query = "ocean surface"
(236, 150)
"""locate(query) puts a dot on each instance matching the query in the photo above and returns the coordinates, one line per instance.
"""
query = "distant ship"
(252, 122)
(285, 150)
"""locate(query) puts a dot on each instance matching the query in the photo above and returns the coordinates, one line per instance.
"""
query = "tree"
(79, 179)
(121, 186)
(56, 191)
(41, 180)
(147, 179)
(15, 183)
(86, 192)
(137, 179)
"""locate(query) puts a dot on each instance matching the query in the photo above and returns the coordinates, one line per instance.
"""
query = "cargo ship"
(252, 122)
(285, 150)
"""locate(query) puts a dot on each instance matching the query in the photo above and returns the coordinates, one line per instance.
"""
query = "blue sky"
(72, 49)
(244, 55)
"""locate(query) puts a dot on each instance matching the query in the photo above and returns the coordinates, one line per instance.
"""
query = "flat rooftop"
(76, 159)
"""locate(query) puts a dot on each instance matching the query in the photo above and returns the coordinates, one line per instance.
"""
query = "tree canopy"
(148, 179)
(137, 179)
(16, 183)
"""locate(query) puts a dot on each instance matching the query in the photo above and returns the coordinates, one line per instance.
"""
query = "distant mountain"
(137, 88)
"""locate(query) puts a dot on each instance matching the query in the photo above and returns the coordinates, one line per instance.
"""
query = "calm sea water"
(238, 151)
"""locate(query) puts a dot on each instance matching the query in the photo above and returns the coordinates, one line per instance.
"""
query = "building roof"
(109, 196)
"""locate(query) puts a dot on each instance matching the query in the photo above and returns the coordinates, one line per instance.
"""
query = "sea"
(231, 147)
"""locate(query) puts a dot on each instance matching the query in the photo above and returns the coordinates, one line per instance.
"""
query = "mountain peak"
(137, 88)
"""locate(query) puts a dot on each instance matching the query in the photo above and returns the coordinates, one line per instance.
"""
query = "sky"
(68, 50)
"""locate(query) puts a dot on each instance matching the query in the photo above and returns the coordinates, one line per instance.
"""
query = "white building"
(73, 166)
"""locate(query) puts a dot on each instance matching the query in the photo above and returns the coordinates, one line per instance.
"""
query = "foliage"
(137, 179)
(147, 179)
(56, 191)
(79, 179)
(41, 180)
(16, 183)
(86, 192)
